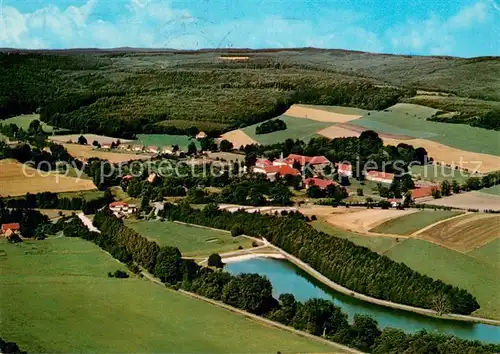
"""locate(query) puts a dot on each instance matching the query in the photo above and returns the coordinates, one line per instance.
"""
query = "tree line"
(49, 200)
(253, 293)
(10, 348)
(352, 266)
(270, 126)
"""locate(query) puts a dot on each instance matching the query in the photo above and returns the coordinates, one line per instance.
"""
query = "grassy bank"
(56, 297)
(191, 241)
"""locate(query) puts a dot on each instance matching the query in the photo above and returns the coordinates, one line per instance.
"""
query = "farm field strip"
(439, 173)
(320, 115)
(297, 128)
(101, 139)
(60, 279)
(238, 138)
(411, 223)
(18, 179)
(162, 140)
(473, 161)
(489, 253)
(411, 120)
(464, 233)
(365, 220)
(467, 200)
(191, 241)
(86, 151)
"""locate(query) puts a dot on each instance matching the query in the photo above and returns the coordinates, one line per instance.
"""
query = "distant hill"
(121, 91)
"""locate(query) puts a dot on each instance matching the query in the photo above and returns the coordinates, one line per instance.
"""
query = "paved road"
(88, 223)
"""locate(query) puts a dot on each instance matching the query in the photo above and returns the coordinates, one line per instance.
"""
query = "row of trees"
(340, 260)
(10, 348)
(270, 126)
(253, 293)
(49, 200)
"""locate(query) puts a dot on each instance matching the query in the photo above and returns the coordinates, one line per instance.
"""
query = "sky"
(464, 28)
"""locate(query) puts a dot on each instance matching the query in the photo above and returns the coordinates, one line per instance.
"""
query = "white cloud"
(438, 36)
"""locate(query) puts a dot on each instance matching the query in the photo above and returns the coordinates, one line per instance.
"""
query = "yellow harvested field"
(238, 138)
(86, 151)
(101, 139)
(464, 233)
(299, 111)
(233, 58)
(320, 210)
(336, 131)
(473, 161)
(366, 219)
(468, 200)
(19, 179)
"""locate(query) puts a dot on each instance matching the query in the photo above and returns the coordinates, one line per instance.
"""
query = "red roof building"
(282, 170)
(307, 160)
(263, 163)
(422, 192)
(12, 226)
(344, 168)
(378, 176)
(321, 183)
(127, 177)
(118, 204)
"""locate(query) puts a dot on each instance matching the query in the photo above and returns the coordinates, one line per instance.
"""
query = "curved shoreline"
(337, 287)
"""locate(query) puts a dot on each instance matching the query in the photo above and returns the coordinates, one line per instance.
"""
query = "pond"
(287, 278)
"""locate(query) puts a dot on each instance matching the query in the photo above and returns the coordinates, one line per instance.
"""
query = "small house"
(320, 182)
(9, 229)
(153, 149)
(201, 135)
(344, 169)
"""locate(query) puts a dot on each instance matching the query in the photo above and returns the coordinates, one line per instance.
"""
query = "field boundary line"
(418, 232)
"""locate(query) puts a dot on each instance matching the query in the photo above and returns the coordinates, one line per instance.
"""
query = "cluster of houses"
(141, 148)
(122, 209)
(290, 165)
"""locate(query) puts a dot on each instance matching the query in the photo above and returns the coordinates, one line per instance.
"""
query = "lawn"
(439, 173)
(165, 140)
(87, 195)
(375, 243)
(408, 224)
(56, 297)
(489, 253)
(191, 241)
(23, 121)
(410, 120)
(495, 190)
(297, 128)
(480, 278)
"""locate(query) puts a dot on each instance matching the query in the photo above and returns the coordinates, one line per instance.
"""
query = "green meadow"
(411, 120)
(191, 240)
(438, 173)
(495, 190)
(410, 223)
(489, 253)
(165, 140)
(23, 121)
(477, 275)
(57, 297)
(297, 128)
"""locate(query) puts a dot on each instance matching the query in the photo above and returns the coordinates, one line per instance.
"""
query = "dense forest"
(253, 293)
(340, 260)
(270, 126)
